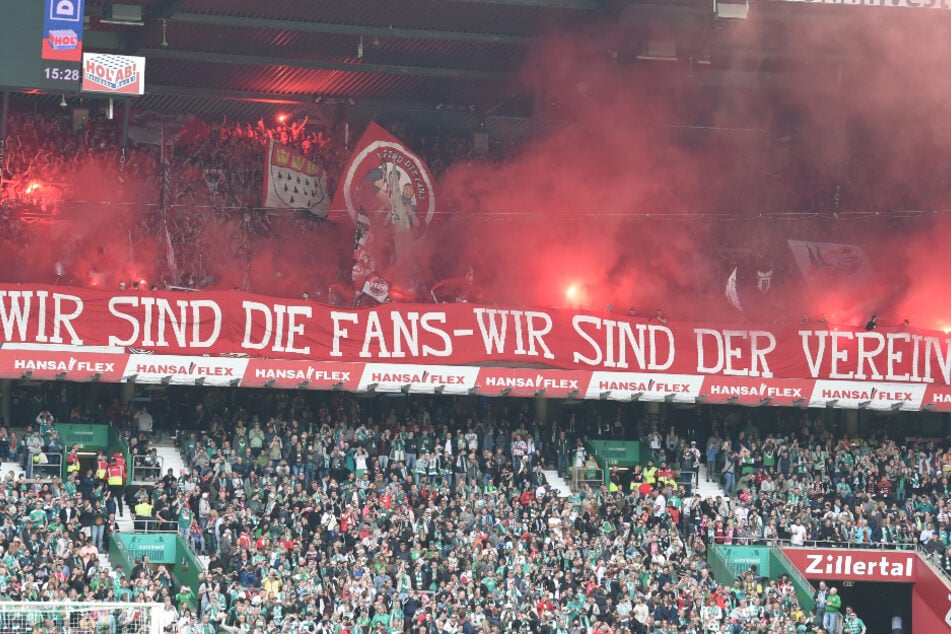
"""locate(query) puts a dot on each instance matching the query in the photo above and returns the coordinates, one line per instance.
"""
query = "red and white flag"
(823, 263)
(389, 194)
(377, 288)
(170, 254)
(292, 181)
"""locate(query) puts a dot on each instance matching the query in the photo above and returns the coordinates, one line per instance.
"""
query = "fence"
(53, 466)
(147, 468)
(586, 475)
(80, 616)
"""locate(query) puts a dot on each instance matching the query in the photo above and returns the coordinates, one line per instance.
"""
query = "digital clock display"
(22, 43)
(65, 72)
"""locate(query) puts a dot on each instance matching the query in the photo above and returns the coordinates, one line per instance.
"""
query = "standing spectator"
(830, 621)
(853, 624)
(143, 421)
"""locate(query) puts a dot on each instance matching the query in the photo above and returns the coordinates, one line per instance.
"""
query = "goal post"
(79, 617)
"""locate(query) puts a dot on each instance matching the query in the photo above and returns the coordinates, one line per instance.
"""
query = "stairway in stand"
(557, 483)
(708, 489)
(170, 458)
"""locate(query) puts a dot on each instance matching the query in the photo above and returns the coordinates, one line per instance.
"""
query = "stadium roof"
(458, 56)
(450, 63)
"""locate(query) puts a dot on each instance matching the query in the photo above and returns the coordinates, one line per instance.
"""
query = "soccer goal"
(79, 617)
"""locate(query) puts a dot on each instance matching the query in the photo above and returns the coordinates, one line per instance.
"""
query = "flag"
(294, 182)
(731, 293)
(388, 192)
(165, 196)
(377, 288)
(148, 127)
(822, 263)
(170, 254)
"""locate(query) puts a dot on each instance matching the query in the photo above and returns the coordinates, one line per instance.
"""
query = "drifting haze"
(641, 138)
(644, 187)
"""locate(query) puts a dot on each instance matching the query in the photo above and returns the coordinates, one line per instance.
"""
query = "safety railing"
(47, 464)
(935, 559)
(142, 524)
(147, 468)
(586, 475)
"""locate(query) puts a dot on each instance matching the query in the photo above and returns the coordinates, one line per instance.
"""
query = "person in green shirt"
(186, 599)
(853, 624)
(833, 604)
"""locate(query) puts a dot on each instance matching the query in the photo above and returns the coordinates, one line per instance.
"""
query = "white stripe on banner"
(905, 4)
(52, 347)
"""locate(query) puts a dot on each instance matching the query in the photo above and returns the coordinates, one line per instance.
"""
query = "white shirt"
(797, 534)
(660, 505)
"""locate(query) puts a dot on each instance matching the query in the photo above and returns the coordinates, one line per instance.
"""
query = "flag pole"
(4, 114)
(166, 202)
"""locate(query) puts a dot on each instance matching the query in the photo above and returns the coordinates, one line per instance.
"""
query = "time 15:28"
(64, 74)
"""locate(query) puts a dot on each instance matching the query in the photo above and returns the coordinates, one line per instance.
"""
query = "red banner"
(931, 596)
(931, 601)
(622, 358)
(833, 564)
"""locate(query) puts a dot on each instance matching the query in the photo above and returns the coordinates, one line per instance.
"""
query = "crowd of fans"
(328, 513)
(215, 163)
(55, 164)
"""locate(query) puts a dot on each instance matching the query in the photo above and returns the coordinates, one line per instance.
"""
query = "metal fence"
(585, 475)
(53, 465)
(147, 468)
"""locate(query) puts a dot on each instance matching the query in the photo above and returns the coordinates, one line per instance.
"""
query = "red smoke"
(644, 186)
(650, 187)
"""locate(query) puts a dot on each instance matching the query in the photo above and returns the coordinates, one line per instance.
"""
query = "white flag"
(828, 263)
(292, 181)
(377, 288)
(731, 293)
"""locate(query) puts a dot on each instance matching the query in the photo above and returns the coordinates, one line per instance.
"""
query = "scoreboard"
(41, 45)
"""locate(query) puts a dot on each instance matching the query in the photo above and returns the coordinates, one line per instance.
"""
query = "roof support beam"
(290, 100)
(230, 95)
(578, 5)
(347, 29)
(380, 69)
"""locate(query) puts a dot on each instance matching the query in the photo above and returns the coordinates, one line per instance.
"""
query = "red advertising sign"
(747, 391)
(931, 601)
(49, 364)
(283, 374)
(833, 564)
(527, 382)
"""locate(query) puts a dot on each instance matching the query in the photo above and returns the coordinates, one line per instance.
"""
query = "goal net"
(79, 617)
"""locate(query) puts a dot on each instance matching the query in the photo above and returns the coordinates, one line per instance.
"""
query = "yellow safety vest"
(143, 509)
(650, 474)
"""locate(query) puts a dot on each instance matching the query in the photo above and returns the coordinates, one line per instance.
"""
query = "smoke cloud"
(649, 187)
(647, 183)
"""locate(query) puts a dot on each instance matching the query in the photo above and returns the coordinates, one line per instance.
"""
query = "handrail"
(930, 559)
(42, 468)
(139, 464)
(576, 478)
(815, 543)
(150, 525)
